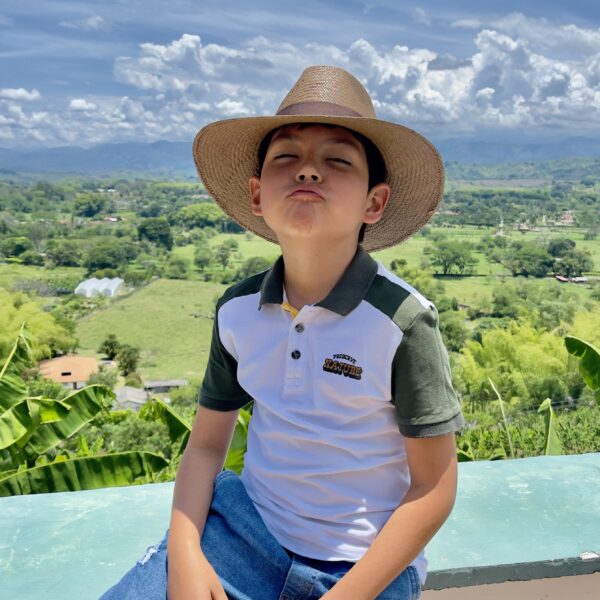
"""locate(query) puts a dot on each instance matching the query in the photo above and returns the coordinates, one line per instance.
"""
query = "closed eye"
(342, 160)
(285, 156)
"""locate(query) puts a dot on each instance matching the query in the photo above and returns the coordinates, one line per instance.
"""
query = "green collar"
(343, 298)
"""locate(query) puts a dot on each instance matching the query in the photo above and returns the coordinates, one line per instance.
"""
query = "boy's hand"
(195, 579)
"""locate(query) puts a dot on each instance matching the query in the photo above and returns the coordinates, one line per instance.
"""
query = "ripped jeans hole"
(149, 552)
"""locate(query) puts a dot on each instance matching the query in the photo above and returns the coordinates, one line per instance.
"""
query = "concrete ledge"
(579, 587)
(513, 520)
(454, 578)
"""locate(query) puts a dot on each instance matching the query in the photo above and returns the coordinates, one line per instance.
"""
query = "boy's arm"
(427, 504)
(202, 460)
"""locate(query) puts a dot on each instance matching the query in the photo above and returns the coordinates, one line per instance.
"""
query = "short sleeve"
(425, 401)
(220, 388)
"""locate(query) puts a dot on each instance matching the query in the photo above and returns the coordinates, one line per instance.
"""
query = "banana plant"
(552, 443)
(179, 431)
(589, 363)
(504, 419)
(30, 426)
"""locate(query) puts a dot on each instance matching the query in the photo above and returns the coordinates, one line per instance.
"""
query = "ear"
(377, 199)
(255, 196)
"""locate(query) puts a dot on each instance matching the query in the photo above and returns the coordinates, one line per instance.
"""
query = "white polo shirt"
(336, 388)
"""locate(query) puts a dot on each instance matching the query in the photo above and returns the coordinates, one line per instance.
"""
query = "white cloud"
(19, 94)
(545, 35)
(231, 108)
(81, 104)
(93, 23)
(466, 24)
(509, 81)
(368, 7)
(199, 106)
(420, 16)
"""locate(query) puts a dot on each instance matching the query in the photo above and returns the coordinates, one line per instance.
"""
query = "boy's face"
(314, 185)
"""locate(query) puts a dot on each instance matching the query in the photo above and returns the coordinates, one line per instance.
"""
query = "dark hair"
(375, 162)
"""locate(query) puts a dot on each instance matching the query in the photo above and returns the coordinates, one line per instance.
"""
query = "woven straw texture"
(226, 156)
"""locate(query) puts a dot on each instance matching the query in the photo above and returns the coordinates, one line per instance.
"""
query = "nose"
(308, 172)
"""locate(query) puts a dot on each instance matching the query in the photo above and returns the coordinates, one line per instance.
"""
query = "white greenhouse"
(101, 287)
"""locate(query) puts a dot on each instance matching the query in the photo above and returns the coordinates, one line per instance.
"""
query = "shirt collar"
(343, 298)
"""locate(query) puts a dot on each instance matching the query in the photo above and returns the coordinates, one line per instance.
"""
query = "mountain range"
(164, 159)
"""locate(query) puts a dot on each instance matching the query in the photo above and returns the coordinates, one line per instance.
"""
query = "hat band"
(320, 109)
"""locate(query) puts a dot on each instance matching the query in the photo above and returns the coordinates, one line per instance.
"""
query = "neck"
(311, 271)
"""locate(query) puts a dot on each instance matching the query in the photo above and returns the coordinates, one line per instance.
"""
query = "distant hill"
(484, 152)
(160, 159)
(562, 169)
(170, 160)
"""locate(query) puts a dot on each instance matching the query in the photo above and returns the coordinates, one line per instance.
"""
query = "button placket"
(296, 355)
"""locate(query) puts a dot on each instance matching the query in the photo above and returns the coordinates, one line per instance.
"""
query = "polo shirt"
(336, 388)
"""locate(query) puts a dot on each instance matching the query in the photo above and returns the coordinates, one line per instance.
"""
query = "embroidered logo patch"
(342, 364)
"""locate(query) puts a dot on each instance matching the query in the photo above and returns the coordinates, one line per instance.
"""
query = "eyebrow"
(334, 140)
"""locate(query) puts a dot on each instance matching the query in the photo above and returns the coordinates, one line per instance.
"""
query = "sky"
(81, 72)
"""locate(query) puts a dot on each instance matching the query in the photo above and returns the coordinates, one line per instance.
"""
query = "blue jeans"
(250, 562)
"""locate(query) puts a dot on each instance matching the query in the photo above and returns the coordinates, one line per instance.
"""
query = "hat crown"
(325, 90)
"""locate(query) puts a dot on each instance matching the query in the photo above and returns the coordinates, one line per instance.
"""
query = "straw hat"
(226, 155)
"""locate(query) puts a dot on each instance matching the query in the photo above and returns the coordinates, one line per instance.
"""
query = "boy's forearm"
(407, 531)
(192, 497)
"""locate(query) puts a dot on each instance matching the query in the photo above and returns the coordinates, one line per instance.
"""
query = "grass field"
(171, 320)
(9, 273)
(412, 250)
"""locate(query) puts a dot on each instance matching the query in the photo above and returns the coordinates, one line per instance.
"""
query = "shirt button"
(299, 328)
(296, 354)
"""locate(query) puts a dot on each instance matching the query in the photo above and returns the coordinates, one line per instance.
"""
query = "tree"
(47, 337)
(89, 204)
(231, 244)
(251, 266)
(560, 246)
(109, 254)
(528, 259)
(574, 263)
(177, 267)
(15, 246)
(31, 257)
(421, 279)
(453, 329)
(203, 256)
(104, 376)
(527, 364)
(450, 255)
(110, 346)
(157, 230)
(205, 214)
(223, 253)
(65, 253)
(128, 358)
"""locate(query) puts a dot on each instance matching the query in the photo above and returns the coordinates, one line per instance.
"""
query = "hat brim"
(226, 156)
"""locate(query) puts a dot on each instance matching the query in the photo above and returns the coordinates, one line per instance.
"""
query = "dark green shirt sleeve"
(425, 401)
(220, 388)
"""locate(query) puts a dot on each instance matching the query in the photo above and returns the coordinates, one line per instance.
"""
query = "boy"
(351, 463)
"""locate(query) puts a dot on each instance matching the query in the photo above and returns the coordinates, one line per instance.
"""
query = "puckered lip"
(306, 188)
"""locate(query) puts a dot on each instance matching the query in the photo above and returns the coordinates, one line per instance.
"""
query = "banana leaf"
(156, 409)
(19, 422)
(84, 404)
(88, 473)
(504, 420)
(12, 387)
(589, 363)
(237, 449)
(552, 443)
